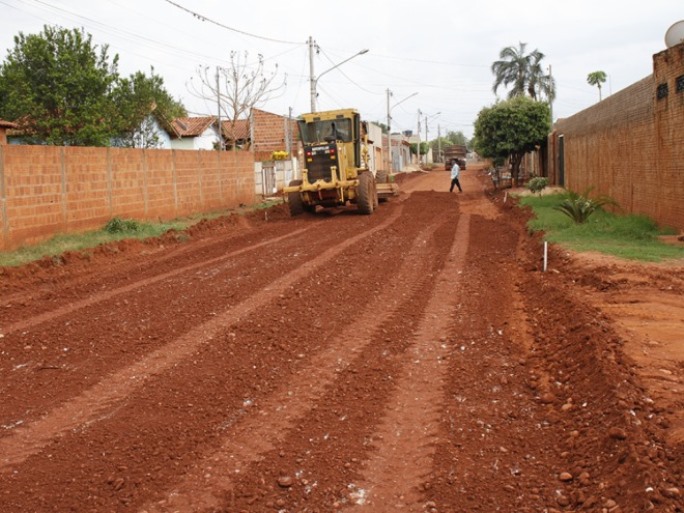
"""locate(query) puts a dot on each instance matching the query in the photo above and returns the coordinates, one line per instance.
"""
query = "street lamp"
(314, 80)
(389, 123)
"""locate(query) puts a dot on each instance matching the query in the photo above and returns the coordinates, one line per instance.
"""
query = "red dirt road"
(415, 360)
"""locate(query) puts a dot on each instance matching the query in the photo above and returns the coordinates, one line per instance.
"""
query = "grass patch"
(633, 237)
(115, 230)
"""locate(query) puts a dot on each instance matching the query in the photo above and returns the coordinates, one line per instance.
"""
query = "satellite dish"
(675, 34)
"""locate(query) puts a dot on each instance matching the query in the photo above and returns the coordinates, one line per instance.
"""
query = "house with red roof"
(194, 133)
(263, 133)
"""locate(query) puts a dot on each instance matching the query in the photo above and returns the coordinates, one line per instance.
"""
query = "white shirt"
(455, 170)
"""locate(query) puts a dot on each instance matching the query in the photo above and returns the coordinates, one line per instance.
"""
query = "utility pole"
(439, 143)
(389, 128)
(312, 79)
(418, 145)
(427, 140)
(222, 144)
(426, 130)
(288, 133)
(389, 134)
(551, 101)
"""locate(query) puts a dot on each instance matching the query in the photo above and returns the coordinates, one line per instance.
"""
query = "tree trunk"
(516, 159)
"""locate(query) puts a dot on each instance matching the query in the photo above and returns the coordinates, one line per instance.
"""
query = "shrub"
(538, 184)
(579, 207)
(118, 225)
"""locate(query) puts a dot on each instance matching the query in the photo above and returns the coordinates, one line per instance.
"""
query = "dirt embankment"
(414, 360)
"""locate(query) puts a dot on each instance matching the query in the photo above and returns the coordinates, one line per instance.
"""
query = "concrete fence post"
(110, 184)
(3, 200)
(199, 178)
(174, 179)
(64, 183)
(145, 184)
(219, 170)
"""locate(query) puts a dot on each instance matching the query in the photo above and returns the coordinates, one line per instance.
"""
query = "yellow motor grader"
(336, 165)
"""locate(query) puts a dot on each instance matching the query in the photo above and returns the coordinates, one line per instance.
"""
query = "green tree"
(139, 100)
(413, 147)
(596, 78)
(382, 125)
(511, 128)
(524, 73)
(456, 138)
(450, 138)
(57, 86)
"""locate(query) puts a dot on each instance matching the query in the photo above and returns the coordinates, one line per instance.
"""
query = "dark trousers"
(454, 181)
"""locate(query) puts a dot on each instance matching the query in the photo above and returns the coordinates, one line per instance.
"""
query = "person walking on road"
(455, 171)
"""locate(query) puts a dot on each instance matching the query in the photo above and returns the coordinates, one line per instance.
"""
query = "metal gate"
(268, 179)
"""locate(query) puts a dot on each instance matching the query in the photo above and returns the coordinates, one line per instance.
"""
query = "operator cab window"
(326, 130)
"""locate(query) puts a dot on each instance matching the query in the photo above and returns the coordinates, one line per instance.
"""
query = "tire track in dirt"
(321, 457)
(205, 486)
(110, 294)
(495, 438)
(407, 437)
(92, 404)
(60, 358)
(536, 385)
(78, 273)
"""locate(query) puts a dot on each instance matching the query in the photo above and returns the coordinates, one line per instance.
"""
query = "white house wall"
(375, 135)
(163, 137)
(205, 141)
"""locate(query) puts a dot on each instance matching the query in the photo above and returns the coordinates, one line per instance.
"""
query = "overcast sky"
(440, 49)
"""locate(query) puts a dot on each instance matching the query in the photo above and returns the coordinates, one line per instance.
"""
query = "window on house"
(662, 91)
(680, 83)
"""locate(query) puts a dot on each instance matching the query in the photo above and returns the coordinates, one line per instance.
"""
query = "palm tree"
(596, 78)
(524, 72)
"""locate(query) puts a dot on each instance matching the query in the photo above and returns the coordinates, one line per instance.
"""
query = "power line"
(135, 38)
(125, 34)
(347, 77)
(204, 18)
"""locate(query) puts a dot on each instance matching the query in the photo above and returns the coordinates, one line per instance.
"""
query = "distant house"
(401, 151)
(4, 126)
(262, 133)
(238, 135)
(154, 132)
(199, 133)
(162, 132)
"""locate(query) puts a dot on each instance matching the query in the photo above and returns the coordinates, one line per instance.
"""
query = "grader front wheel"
(367, 198)
(294, 200)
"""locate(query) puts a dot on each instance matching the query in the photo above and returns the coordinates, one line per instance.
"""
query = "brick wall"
(630, 146)
(668, 69)
(270, 132)
(46, 190)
